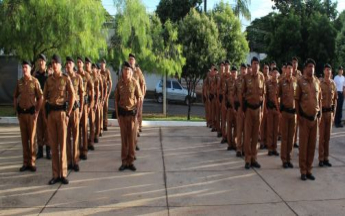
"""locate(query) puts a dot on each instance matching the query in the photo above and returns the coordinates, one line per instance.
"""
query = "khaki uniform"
(56, 91)
(329, 98)
(92, 114)
(127, 95)
(240, 116)
(98, 108)
(104, 110)
(218, 103)
(107, 76)
(41, 129)
(263, 125)
(308, 96)
(88, 100)
(297, 74)
(253, 92)
(28, 91)
(231, 112)
(74, 120)
(287, 89)
(223, 100)
(272, 107)
(205, 93)
(212, 93)
(139, 77)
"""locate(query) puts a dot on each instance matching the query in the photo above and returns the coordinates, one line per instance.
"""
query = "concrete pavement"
(181, 171)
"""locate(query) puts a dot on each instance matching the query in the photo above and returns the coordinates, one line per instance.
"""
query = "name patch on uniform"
(75, 82)
(62, 82)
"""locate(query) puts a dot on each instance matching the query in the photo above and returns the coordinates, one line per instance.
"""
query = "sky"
(258, 8)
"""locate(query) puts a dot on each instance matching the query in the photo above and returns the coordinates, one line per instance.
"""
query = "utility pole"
(205, 6)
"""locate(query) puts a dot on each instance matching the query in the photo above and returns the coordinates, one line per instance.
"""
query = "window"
(176, 85)
(168, 84)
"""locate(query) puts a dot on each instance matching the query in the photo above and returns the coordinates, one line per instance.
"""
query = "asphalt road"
(152, 107)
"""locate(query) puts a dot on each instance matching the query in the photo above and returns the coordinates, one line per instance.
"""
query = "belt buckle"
(24, 109)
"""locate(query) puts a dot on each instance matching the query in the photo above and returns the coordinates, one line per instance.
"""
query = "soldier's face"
(94, 70)
(131, 61)
(42, 63)
(340, 72)
(255, 66)
(103, 66)
(233, 74)
(266, 69)
(288, 70)
(56, 66)
(274, 74)
(295, 64)
(70, 66)
(310, 69)
(88, 66)
(80, 64)
(243, 71)
(327, 72)
(227, 66)
(26, 70)
(126, 73)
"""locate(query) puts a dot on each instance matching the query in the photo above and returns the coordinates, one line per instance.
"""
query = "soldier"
(74, 120)
(219, 99)
(273, 65)
(272, 113)
(107, 90)
(212, 97)
(87, 106)
(263, 125)
(127, 98)
(27, 102)
(239, 111)
(249, 69)
(224, 78)
(231, 113)
(308, 102)
(92, 115)
(205, 88)
(105, 97)
(287, 89)
(98, 85)
(296, 73)
(254, 96)
(340, 83)
(56, 90)
(139, 77)
(329, 104)
(41, 130)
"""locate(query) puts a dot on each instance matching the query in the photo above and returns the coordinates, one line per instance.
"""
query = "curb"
(114, 123)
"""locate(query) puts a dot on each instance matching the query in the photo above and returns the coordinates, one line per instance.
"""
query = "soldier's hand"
(36, 115)
(66, 120)
(118, 120)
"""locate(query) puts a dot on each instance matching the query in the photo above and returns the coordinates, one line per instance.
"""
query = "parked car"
(175, 92)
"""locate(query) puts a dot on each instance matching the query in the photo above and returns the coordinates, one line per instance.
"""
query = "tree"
(199, 36)
(132, 34)
(241, 8)
(176, 10)
(340, 47)
(230, 33)
(29, 28)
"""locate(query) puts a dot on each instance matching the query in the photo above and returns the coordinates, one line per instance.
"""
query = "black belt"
(270, 105)
(86, 99)
(308, 117)
(123, 112)
(76, 105)
(330, 109)
(253, 106)
(58, 107)
(220, 98)
(211, 96)
(30, 110)
(237, 105)
(288, 110)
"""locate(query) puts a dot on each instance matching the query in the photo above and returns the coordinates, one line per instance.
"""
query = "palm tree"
(242, 8)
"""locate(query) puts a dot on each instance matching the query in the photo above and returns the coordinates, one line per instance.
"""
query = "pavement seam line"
(164, 170)
(45, 206)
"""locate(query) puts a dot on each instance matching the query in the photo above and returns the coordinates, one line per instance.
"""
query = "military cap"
(295, 59)
(275, 69)
(131, 55)
(74, 68)
(103, 61)
(26, 62)
(233, 68)
(340, 68)
(42, 56)
(221, 63)
(310, 61)
(69, 58)
(289, 64)
(248, 65)
(94, 65)
(87, 59)
(57, 58)
(273, 62)
(126, 64)
(80, 59)
(327, 66)
(255, 59)
(243, 65)
(227, 61)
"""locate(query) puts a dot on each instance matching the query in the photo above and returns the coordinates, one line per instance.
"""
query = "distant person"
(340, 84)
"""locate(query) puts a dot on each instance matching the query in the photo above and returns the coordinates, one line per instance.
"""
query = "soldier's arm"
(81, 93)
(264, 99)
(138, 95)
(39, 97)
(15, 96)
(110, 84)
(117, 99)
(71, 94)
(97, 93)
(297, 98)
(92, 96)
(244, 89)
(335, 98)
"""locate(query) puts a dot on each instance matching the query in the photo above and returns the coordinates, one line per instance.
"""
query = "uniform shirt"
(254, 88)
(308, 95)
(139, 77)
(272, 90)
(230, 89)
(287, 90)
(107, 78)
(57, 89)
(87, 82)
(105, 84)
(41, 77)
(27, 91)
(297, 74)
(340, 82)
(238, 88)
(329, 93)
(77, 83)
(96, 85)
(212, 85)
(127, 94)
(225, 76)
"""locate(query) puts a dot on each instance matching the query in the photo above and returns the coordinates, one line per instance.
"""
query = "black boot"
(48, 154)
(39, 152)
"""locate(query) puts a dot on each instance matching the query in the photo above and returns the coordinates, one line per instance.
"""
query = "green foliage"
(176, 10)
(241, 8)
(230, 33)
(31, 27)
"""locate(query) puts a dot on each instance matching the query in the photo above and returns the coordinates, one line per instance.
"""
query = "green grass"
(7, 111)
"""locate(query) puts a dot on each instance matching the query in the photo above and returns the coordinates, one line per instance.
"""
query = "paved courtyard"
(181, 171)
